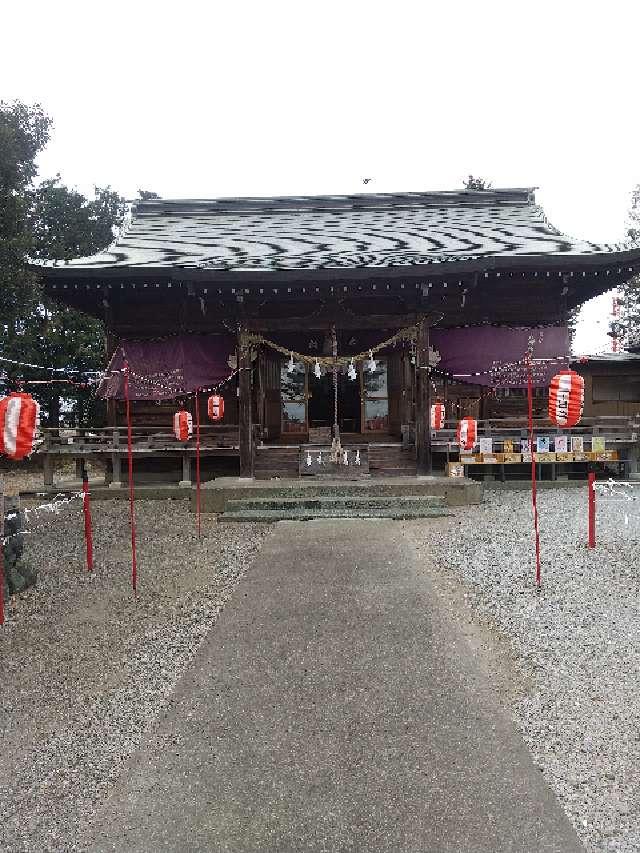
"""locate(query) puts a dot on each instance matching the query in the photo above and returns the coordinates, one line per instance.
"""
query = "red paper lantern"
(566, 398)
(215, 407)
(466, 433)
(437, 416)
(182, 425)
(19, 419)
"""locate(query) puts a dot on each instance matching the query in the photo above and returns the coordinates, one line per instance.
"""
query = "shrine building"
(333, 317)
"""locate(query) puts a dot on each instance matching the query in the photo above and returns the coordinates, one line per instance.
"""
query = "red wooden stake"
(132, 511)
(1, 549)
(534, 498)
(592, 510)
(198, 461)
(86, 506)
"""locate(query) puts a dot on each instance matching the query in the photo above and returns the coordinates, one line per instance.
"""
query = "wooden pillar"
(47, 468)
(445, 395)
(116, 471)
(185, 482)
(423, 401)
(406, 415)
(112, 416)
(244, 407)
(116, 461)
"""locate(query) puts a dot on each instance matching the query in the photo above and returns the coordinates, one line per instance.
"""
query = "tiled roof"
(326, 232)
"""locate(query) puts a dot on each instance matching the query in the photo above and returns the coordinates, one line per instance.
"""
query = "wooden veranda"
(617, 438)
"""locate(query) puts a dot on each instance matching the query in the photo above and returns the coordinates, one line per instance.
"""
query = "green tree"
(55, 223)
(627, 326)
(65, 225)
(24, 132)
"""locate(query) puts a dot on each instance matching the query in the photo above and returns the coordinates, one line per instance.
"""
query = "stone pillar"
(423, 401)
(244, 407)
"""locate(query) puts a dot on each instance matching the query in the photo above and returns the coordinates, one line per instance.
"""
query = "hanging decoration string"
(60, 500)
(407, 334)
(52, 369)
(46, 382)
(165, 388)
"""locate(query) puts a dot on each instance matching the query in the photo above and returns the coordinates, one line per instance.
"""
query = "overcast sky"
(258, 98)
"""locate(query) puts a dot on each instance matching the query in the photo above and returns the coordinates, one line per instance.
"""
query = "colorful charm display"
(215, 407)
(566, 398)
(437, 416)
(466, 433)
(183, 425)
(19, 420)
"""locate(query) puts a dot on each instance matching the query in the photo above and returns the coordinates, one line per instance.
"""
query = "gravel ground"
(577, 641)
(30, 477)
(86, 667)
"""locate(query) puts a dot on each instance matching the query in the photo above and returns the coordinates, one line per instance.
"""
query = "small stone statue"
(17, 574)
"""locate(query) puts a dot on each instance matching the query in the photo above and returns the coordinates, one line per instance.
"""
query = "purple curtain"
(164, 369)
(494, 353)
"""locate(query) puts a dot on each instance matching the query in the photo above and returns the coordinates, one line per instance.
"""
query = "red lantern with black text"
(182, 425)
(437, 416)
(466, 433)
(215, 407)
(19, 420)
(566, 398)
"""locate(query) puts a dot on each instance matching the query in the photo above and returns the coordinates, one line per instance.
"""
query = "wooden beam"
(341, 321)
(244, 407)
(423, 401)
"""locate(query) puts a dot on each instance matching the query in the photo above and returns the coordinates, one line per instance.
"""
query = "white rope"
(53, 507)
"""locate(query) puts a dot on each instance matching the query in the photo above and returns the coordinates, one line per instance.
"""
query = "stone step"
(356, 502)
(297, 514)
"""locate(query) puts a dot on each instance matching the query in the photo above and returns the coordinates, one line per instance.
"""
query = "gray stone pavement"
(335, 707)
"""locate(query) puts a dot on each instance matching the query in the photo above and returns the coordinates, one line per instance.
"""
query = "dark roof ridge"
(445, 198)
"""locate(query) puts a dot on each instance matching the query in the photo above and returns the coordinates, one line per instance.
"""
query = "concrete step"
(298, 514)
(455, 492)
(346, 502)
(394, 472)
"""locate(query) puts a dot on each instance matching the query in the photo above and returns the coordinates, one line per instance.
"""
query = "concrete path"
(335, 707)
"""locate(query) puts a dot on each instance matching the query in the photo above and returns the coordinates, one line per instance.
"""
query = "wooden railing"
(616, 431)
(114, 439)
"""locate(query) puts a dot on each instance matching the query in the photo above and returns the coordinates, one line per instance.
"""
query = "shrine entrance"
(321, 402)
(365, 396)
